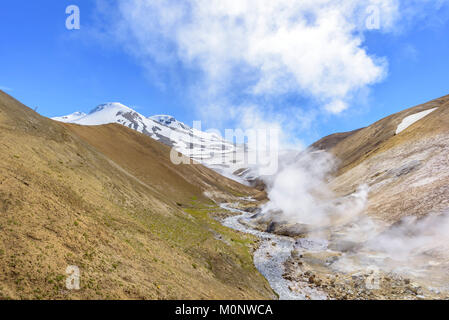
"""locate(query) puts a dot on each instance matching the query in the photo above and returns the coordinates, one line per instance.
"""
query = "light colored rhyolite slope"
(363, 143)
(108, 200)
(407, 172)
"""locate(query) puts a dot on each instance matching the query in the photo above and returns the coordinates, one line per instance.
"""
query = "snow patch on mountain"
(408, 121)
(71, 117)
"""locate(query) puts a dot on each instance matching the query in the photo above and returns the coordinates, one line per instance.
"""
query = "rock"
(311, 279)
(414, 288)
(289, 230)
(255, 210)
(271, 227)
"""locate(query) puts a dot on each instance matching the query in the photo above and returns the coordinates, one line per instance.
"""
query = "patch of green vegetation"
(240, 244)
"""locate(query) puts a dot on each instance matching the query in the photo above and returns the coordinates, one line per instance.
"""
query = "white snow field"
(71, 117)
(408, 121)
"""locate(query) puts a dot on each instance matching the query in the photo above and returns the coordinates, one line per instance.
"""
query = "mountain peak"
(110, 106)
(169, 121)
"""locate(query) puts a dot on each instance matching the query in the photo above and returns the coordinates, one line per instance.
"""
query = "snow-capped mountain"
(207, 148)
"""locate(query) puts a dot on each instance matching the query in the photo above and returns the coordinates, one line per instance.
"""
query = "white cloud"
(263, 49)
(275, 47)
(336, 106)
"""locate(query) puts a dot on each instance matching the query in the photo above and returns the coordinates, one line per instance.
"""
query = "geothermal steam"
(300, 192)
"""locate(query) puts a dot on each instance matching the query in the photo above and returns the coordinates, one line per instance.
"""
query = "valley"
(357, 215)
(213, 159)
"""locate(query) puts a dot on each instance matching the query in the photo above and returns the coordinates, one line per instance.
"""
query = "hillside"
(108, 200)
(353, 147)
(329, 142)
(407, 170)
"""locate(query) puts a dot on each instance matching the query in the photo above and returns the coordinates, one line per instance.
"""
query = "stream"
(271, 255)
(420, 277)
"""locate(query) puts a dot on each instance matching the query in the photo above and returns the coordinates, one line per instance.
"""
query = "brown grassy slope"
(332, 140)
(435, 123)
(147, 159)
(64, 202)
(364, 143)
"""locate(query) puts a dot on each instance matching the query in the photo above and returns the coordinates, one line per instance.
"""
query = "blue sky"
(59, 71)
